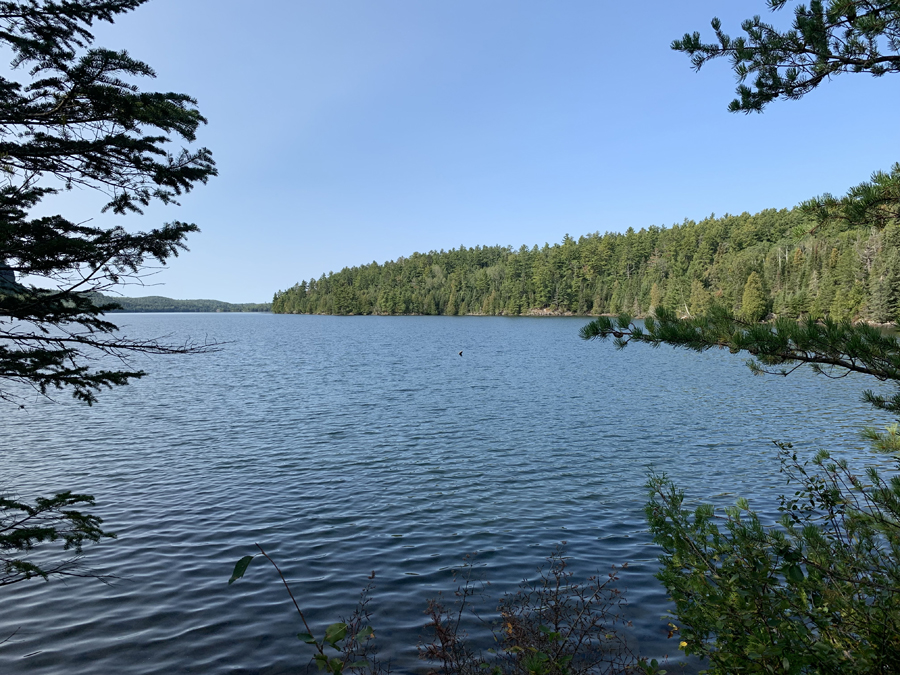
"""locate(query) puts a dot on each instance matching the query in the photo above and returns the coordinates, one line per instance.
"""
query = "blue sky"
(347, 131)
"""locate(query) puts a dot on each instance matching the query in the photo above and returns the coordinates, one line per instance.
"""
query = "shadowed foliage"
(72, 115)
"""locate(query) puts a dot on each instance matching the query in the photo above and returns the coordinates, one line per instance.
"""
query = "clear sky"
(347, 131)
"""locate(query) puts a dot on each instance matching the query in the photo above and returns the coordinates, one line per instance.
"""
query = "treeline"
(774, 261)
(157, 303)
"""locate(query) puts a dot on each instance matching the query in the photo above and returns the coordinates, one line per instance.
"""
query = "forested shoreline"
(158, 303)
(775, 261)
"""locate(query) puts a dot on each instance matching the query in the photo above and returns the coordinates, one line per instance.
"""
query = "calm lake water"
(345, 445)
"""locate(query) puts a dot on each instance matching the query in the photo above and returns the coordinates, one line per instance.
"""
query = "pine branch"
(830, 344)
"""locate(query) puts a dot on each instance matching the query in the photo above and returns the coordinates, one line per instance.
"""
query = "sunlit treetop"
(825, 39)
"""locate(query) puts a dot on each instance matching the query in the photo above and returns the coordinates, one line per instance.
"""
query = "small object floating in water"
(460, 353)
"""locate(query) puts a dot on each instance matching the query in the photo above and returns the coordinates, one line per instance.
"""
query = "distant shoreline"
(157, 304)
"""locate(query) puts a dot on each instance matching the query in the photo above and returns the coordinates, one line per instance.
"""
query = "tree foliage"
(831, 348)
(825, 39)
(840, 269)
(156, 303)
(753, 302)
(24, 527)
(820, 591)
(872, 203)
(71, 116)
(74, 117)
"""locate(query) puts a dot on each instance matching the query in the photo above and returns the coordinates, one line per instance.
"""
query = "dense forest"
(774, 261)
(157, 303)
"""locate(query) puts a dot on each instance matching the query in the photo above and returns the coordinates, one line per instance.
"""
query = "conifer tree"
(885, 297)
(819, 592)
(753, 301)
(700, 298)
(73, 116)
(828, 37)
(655, 297)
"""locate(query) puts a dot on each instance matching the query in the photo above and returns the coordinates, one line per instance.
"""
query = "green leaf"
(335, 665)
(365, 634)
(359, 664)
(551, 634)
(794, 574)
(335, 633)
(240, 568)
(307, 638)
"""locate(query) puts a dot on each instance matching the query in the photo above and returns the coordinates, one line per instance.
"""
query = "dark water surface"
(347, 444)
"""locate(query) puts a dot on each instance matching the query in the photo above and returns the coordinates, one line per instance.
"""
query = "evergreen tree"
(827, 38)
(885, 295)
(873, 203)
(802, 268)
(655, 297)
(820, 592)
(72, 117)
(700, 298)
(753, 300)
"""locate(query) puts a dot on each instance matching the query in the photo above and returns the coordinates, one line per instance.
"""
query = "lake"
(345, 445)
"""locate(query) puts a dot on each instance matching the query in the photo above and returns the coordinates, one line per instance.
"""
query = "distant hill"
(157, 303)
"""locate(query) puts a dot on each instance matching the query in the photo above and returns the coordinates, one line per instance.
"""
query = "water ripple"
(347, 444)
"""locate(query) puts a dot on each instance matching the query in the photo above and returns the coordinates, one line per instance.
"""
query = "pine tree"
(73, 118)
(655, 297)
(827, 38)
(888, 284)
(818, 593)
(753, 301)
(700, 298)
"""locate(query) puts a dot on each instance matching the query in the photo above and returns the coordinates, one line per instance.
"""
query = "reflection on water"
(347, 444)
